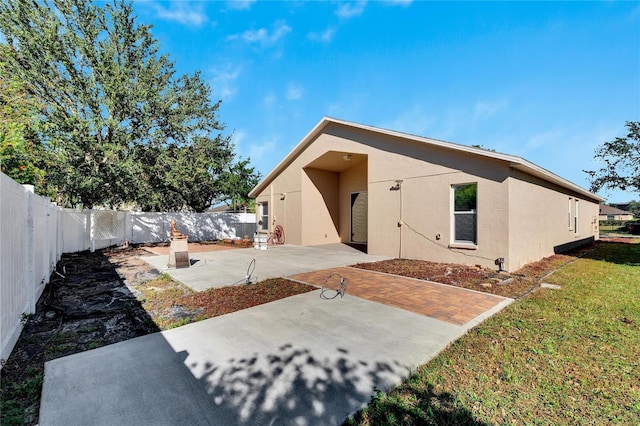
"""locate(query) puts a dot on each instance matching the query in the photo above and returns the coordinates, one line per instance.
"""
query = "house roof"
(605, 209)
(222, 208)
(514, 161)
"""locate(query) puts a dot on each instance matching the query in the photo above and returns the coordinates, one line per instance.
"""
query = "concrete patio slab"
(227, 267)
(297, 361)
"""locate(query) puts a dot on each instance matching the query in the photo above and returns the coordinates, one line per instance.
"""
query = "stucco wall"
(541, 217)
(423, 205)
(518, 217)
(321, 212)
(428, 174)
(284, 196)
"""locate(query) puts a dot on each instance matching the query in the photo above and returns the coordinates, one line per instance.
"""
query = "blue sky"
(547, 81)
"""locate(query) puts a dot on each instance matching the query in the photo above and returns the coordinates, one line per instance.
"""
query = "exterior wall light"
(396, 187)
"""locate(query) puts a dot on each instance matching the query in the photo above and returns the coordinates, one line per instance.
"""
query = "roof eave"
(515, 162)
(290, 157)
(539, 172)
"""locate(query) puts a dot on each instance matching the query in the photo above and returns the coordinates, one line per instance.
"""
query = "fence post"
(30, 240)
(128, 227)
(52, 225)
(47, 244)
(59, 234)
(88, 234)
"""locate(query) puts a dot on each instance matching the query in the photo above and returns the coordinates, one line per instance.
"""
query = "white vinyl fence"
(97, 229)
(156, 227)
(29, 251)
(34, 233)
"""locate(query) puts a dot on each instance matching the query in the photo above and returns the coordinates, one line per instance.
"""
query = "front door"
(359, 217)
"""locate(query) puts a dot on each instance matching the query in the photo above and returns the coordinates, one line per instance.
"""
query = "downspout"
(400, 223)
(283, 197)
(271, 219)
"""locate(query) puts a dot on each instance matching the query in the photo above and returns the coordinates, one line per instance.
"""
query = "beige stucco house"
(412, 197)
(614, 213)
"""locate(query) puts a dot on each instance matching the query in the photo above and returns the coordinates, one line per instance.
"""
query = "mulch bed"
(514, 285)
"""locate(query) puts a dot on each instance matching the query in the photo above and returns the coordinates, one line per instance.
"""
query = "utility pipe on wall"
(398, 187)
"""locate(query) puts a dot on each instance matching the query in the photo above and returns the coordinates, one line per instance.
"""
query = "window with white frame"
(575, 219)
(264, 216)
(465, 213)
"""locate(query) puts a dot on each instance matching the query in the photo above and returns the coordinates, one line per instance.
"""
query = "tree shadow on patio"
(292, 386)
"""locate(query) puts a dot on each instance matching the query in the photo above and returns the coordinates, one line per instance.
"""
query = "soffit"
(337, 161)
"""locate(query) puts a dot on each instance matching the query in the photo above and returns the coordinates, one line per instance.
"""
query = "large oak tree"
(120, 125)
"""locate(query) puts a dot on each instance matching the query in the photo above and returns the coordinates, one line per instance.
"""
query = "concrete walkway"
(298, 361)
(303, 360)
(227, 267)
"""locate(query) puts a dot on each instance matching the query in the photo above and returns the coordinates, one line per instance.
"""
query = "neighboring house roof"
(605, 209)
(514, 161)
(223, 208)
(622, 206)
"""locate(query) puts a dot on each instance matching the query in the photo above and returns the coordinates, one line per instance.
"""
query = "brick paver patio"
(440, 301)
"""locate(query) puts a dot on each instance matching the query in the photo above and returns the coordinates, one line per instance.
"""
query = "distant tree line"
(92, 113)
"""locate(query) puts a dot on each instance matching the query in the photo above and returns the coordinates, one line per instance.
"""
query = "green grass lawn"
(568, 356)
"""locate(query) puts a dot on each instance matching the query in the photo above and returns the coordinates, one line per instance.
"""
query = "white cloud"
(183, 12)
(563, 149)
(240, 4)
(263, 36)
(484, 110)
(324, 37)
(269, 100)
(260, 150)
(414, 121)
(294, 92)
(553, 138)
(223, 81)
(255, 35)
(263, 153)
(349, 10)
(401, 3)
(237, 138)
(281, 29)
(456, 123)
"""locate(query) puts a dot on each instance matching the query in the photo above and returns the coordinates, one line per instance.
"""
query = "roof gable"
(514, 161)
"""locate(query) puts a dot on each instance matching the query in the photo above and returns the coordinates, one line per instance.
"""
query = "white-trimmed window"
(573, 215)
(465, 216)
(264, 216)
